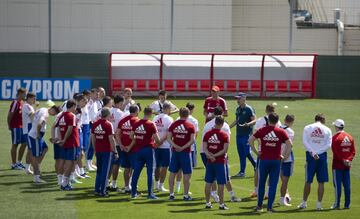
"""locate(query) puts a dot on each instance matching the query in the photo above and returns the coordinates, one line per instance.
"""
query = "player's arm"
(170, 140)
(131, 145)
(9, 118)
(174, 108)
(112, 143)
(190, 142)
(157, 139)
(287, 151)
(252, 122)
(223, 151)
(233, 123)
(38, 128)
(118, 138)
(53, 127)
(93, 140)
(206, 151)
(67, 134)
(251, 143)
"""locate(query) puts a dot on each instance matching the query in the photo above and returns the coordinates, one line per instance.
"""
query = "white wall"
(115, 25)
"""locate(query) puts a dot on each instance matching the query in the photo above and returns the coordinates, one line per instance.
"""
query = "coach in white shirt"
(158, 105)
(317, 140)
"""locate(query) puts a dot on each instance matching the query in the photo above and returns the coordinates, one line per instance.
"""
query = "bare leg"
(320, 191)
(187, 178)
(207, 192)
(284, 185)
(307, 188)
(171, 182)
(221, 193)
(13, 153)
(21, 151)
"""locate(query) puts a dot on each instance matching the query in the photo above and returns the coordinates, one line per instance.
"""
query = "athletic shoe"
(85, 176)
(104, 195)
(16, 167)
(124, 191)
(73, 181)
(235, 199)
(335, 207)
(223, 207)
(135, 196)
(21, 165)
(258, 210)
(66, 188)
(239, 175)
(152, 197)
(346, 208)
(39, 181)
(171, 198)
(162, 189)
(283, 202)
(288, 198)
(112, 189)
(208, 205)
(187, 198)
(215, 197)
(270, 210)
(318, 207)
(253, 195)
(90, 168)
(302, 205)
(28, 172)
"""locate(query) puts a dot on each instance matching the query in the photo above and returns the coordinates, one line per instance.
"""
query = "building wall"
(115, 25)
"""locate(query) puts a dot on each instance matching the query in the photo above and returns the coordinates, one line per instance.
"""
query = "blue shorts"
(37, 145)
(125, 160)
(17, 136)
(115, 161)
(27, 141)
(58, 152)
(218, 172)
(318, 167)
(287, 169)
(181, 160)
(71, 153)
(203, 158)
(162, 157)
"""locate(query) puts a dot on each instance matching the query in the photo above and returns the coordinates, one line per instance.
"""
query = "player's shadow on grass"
(188, 203)
(248, 199)
(111, 200)
(15, 183)
(194, 210)
(158, 201)
(9, 175)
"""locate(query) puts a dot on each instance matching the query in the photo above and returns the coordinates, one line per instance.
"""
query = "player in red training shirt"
(102, 137)
(123, 140)
(271, 138)
(14, 121)
(181, 137)
(212, 102)
(143, 133)
(216, 144)
(343, 148)
(69, 143)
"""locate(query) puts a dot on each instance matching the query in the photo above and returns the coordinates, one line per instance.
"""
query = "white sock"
(59, 178)
(318, 203)
(282, 199)
(161, 185)
(18, 162)
(37, 177)
(231, 193)
(157, 184)
(178, 184)
(213, 193)
(65, 181)
(27, 166)
(72, 176)
(171, 194)
(82, 171)
(113, 184)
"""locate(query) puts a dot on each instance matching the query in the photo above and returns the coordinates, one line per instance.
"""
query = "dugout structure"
(193, 74)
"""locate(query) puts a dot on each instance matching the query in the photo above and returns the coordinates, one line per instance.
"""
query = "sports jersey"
(157, 106)
(93, 109)
(216, 140)
(343, 147)
(271, 139)
(163, 122)
(210, 125)
(262, 122)
(317, 138)
(115, 116)
(102, 129)
(211, 103)
(127, 106)
(125, 125)
(181, 133)
(27, 110)
(143, 132)
(39, 118)
(16, 108)
(69, 119)
(291, 135)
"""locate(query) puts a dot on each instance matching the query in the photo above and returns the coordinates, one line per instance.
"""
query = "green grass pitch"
(20, 198)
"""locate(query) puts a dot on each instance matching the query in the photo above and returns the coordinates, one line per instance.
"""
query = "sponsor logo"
(214, 139)
(99, 130)
(180, 129)
(159, 123)
(346, 142)
(317, 133)
(126, 125)
(140, 129)
(271, 137)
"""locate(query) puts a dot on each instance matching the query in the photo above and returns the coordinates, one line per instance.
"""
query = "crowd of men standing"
(112, 129)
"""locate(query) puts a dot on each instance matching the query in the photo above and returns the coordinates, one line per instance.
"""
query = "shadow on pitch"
(187, 211)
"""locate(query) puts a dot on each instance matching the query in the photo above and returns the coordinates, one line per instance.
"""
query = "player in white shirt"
(128, 101)
(163, 152)
(85, 130)
(27, 116)
(93, 110)
(218, 111)
(157, 105)
(287, 165)
(260, 123)
(115, 116)
(317, 140)
(101, 96)
(36, 138)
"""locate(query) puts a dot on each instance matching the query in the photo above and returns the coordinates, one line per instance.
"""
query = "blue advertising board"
(44, 88)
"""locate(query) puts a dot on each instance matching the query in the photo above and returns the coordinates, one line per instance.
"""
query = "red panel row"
(204, 85)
